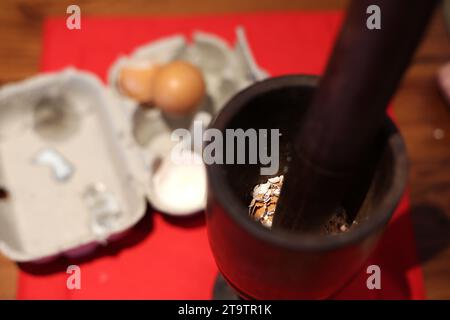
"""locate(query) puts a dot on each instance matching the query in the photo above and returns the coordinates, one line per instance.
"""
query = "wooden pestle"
(348, 109)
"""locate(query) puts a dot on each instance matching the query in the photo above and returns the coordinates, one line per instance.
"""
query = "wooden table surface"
(422, 113)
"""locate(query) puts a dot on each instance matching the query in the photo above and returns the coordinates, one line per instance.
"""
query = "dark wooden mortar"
(277, 264)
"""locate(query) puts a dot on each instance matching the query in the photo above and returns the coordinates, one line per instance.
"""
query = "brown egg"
(136, 81)
(178, 88)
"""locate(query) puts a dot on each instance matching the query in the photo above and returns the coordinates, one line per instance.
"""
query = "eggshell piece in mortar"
(179, 88)
(136, 81)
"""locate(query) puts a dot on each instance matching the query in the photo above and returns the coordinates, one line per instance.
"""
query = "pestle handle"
(348, 108)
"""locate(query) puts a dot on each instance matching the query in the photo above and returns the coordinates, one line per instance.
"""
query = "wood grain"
(419, 107)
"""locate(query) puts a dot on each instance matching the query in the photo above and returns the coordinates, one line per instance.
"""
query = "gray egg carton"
(76, 157)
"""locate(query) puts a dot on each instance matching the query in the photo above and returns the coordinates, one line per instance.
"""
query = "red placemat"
(164, 258)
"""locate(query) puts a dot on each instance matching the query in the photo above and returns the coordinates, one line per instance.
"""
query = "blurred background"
(421, 109)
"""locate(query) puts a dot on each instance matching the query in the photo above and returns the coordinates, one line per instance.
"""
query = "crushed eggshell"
(263, 205)
(265, 197)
